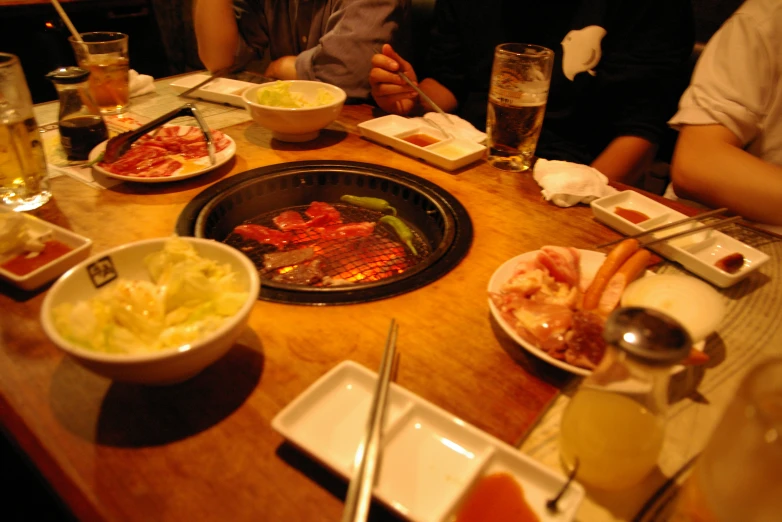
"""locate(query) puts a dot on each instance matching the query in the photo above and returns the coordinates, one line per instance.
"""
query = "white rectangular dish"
(697, 252)
(45, 231)
(446, 152)
(220, 90)
(430, 459)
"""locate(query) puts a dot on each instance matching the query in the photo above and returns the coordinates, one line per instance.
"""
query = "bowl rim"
(120, 358)
(338, 91)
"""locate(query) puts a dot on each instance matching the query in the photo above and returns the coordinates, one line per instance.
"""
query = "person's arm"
(216, 32)
(283, 68)
(710, 166)
(394, 95)
(626, 159)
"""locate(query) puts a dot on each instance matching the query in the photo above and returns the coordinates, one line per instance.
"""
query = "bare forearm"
(626, 158)
(216, 31)
(439, 94)
(710, 166)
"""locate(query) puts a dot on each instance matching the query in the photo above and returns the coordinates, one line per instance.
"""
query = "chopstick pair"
(713, 225)
(357, 502)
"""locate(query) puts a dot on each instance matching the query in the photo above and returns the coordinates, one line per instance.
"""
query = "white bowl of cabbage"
(156, 311)
(294, 110)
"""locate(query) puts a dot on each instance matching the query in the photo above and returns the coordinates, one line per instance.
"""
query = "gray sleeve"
(354, 31)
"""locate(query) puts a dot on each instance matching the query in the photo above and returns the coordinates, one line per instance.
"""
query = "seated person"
(619, 70)
(328, 40)
(729, 150)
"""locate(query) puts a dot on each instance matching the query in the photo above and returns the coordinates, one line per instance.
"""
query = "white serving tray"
(448, 153)
(43, 230)
(220, 90)
(697, 252)
(430, 458)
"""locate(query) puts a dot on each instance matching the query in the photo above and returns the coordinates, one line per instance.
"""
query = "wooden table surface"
(205, 449)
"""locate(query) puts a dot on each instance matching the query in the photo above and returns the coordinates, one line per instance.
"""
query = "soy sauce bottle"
(81, 124)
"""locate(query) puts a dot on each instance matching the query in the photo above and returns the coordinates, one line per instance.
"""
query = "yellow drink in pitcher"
(617, 440)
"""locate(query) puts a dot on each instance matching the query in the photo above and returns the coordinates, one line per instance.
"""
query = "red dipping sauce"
(23, 265)
(631, 215)
(496, 498)
(422, 140)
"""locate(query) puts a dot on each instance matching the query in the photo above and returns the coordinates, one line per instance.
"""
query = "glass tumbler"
(105, 56)
(25, 181)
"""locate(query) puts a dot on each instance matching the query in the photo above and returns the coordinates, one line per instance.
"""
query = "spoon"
(551, 504)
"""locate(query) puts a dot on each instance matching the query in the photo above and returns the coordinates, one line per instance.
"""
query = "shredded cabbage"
(278, 94)
(188, 297)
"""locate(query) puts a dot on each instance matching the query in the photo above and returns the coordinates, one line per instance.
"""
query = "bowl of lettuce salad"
(156, 311)
(294, 110)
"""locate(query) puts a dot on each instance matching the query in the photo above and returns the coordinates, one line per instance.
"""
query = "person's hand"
(283, 68)
(389, 90)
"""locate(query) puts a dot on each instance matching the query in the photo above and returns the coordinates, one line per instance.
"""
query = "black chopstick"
(360, 490)
(666, 226)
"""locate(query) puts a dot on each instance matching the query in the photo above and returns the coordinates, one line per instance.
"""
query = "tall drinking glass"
(25, 182)
(105, 55)
(520, 79)
(739, 474)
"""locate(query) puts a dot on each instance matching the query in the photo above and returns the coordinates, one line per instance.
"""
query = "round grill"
(373, 267)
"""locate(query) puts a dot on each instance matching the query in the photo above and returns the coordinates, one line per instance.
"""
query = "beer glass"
(25, 182)
(518, 92)
(739, 474)
(105, 55)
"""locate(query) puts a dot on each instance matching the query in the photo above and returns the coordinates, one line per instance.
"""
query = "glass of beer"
(520, 79)
(25, 182)
(105, 55)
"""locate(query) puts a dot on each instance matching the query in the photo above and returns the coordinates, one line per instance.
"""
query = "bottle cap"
(68, 75)
(648, 336)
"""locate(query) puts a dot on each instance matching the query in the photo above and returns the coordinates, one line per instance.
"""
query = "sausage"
(613, 261)
(627, 273)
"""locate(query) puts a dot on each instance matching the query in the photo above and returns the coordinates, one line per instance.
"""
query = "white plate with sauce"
(430, 459)
(590, 263)
(190, 167)
(422, 141)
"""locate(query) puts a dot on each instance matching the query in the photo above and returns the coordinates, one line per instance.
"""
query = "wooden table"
(205, 450)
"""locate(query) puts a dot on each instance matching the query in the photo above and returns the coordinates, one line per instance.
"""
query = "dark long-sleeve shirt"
(633, 90)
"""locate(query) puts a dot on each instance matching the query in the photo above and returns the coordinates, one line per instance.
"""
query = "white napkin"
(140, 84)
(454, 125)
(566, 184)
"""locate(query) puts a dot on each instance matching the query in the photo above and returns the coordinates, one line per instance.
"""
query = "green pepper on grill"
(370, 203)
(402, 230)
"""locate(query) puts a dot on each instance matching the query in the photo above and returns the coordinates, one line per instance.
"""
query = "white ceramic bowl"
(296, 124)
(166, 366)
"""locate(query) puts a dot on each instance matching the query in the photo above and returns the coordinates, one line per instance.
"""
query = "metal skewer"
(665, 227)
(359, 494)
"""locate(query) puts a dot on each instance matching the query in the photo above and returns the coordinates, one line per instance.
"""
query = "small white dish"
(430, 458)
(445, 152)
(590, 263)
(697, 252)
(191, 167)
(80, 250)
(220, 90)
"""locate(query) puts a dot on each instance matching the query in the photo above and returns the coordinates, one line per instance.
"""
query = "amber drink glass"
(105, 55)
(520, 79)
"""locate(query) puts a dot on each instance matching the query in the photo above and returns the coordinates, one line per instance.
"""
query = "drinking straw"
(67, 20)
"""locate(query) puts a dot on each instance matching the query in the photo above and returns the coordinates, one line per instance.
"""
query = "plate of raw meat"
(172, 153)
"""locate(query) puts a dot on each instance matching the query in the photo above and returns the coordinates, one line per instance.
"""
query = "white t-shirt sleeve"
(731, 82)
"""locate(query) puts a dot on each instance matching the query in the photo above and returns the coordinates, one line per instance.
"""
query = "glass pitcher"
(80, 121)
(614, 425)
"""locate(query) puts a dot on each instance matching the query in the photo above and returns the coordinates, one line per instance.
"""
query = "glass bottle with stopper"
(80, 122)
(614, 425)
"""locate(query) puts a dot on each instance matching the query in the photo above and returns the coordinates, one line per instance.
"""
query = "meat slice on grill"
(264, 235)
(292, 257)
(303, 274)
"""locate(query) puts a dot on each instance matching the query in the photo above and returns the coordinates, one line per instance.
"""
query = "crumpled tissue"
(566, 184)
(453, 125)
(140, 84)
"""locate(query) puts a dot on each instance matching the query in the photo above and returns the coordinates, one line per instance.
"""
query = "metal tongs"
(119, 145)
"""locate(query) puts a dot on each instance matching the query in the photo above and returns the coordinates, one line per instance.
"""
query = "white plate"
(590, 263)
(202, 165)
(430, 458)
(697, 252)
(80, 250)
(220, 90)
(447, 153)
